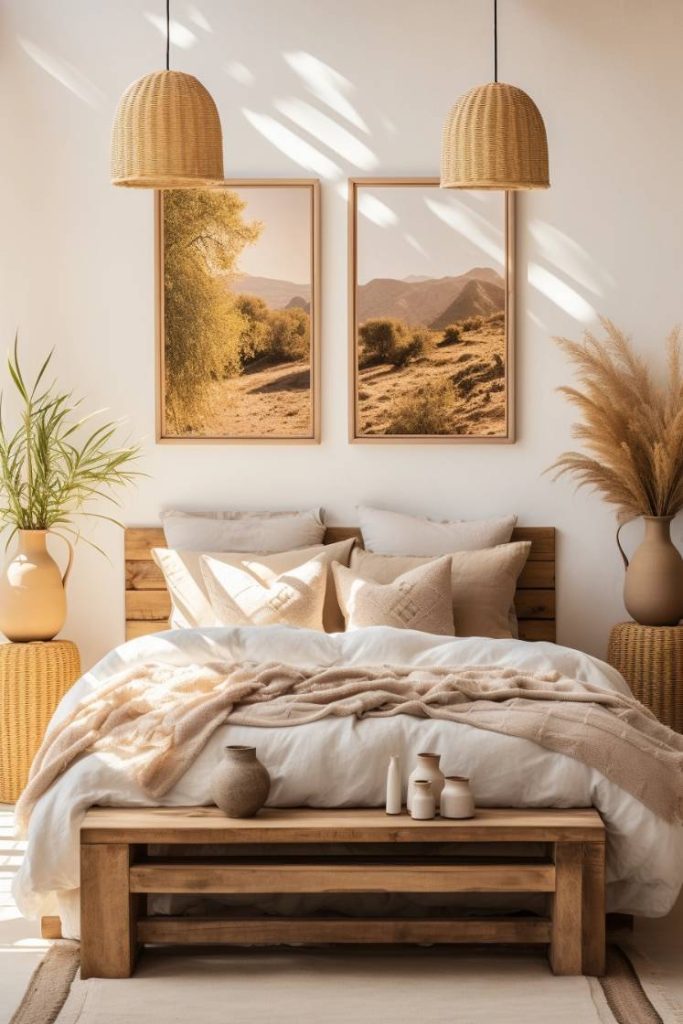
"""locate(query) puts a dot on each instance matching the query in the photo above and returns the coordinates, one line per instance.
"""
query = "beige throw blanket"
(155, 719)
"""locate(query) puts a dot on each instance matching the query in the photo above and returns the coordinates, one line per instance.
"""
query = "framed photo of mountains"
(238, 313)
(431, 313)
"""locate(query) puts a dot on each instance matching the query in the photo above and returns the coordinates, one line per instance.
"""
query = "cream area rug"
(338, 986)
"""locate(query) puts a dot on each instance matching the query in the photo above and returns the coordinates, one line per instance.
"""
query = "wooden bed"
(148, 604)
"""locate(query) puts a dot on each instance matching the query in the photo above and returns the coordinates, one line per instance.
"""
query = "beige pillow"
(242, 531)
(191, 606)
(417, 599)
(483, 583)
(394, 533)
(294, 598)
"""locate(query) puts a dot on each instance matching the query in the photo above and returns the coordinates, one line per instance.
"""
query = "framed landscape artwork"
(431, 313)
(238, 313)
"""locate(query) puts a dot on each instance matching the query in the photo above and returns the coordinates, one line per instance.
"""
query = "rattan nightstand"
(33, 679)
(650, 658)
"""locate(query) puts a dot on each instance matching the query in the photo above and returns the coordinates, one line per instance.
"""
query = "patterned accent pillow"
(418, 599)
(294, 598)
(483, 583)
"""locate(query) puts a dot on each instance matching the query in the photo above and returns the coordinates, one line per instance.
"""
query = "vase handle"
(621, 550)
(65, 574)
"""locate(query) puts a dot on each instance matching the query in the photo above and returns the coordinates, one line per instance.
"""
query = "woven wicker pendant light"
(494, 137)
(167, 132)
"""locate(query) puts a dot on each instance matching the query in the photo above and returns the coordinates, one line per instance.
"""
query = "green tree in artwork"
(204, 234)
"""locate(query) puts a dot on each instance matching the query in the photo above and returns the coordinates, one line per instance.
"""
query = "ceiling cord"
(495, 40)
(168, 32)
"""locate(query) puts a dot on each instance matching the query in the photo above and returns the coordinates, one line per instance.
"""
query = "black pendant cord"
(495, 40)
(168, 33)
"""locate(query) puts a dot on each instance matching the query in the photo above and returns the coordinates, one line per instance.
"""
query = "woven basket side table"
(650, 658)
(33, 679)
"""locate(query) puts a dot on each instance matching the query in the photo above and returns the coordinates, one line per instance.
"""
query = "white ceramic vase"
(456, 798)
(423, 803)
(427, 768)
(394, 801)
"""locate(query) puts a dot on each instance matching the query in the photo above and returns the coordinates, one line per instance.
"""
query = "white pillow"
(190, 603)
(242, 531)
(417, 599)
(393, 533)
(294, 598)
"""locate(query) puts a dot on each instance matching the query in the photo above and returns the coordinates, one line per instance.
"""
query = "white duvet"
(340, 762)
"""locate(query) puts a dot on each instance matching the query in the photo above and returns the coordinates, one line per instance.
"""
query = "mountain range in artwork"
(431, 355)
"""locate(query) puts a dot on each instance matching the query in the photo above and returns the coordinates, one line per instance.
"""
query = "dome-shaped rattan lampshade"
(494, 138)
(167, 134)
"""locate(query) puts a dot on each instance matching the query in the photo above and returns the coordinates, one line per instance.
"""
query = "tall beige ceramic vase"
(32, 597)
(653, 591)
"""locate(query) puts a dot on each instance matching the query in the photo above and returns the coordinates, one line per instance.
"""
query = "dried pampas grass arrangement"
(632, 425)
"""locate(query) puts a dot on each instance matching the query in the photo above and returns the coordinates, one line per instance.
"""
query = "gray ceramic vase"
(240, 784)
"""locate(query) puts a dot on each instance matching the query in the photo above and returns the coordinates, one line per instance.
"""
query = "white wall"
(76, 255)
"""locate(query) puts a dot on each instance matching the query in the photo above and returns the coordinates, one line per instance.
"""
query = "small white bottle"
(423, 804)
(394, 803)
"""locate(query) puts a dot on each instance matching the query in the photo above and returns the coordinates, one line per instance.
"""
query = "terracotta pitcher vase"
(32, 598)
(653, 591)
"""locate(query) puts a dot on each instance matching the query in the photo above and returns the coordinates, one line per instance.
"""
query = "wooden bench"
(392, 854)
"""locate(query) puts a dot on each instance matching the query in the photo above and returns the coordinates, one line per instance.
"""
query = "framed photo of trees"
(431, 313)
(238, 298)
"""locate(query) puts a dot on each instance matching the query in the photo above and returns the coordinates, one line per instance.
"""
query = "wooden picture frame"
(357, 435)
(311, 435)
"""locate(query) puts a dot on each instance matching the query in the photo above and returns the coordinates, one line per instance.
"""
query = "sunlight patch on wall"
(466, 223)
(198, 18)
(180, 35)
(292, 145)
(560, 293)
(376, 211)
(569, 257)
(327, 84)
(64, 73)
(240, 72)
(327, 131)
(415, 244)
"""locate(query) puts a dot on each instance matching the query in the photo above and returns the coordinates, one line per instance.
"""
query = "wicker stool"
(33, 679)
(650, 658)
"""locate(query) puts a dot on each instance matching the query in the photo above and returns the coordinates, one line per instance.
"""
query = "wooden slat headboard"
(148, 604)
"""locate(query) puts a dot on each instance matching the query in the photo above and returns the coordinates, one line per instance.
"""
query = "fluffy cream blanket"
(155, 719)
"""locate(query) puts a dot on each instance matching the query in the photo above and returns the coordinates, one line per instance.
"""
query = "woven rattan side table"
(650, 658)
(33, 679)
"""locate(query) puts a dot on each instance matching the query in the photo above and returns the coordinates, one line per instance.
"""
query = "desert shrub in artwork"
(452, 335)
(426, 411)
(290, 335)
(386, 340)
(255, 332)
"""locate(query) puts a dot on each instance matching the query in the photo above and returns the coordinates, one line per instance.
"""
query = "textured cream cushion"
(294, 598)
(483, 583)
(190, 602)
(393, 533)
(417, 599)
(242, 531)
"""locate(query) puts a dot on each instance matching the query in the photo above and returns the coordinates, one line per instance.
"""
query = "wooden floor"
(298, 851)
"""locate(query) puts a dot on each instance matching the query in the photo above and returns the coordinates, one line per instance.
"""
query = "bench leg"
(593, 914)
(565, 946)
(108, 924)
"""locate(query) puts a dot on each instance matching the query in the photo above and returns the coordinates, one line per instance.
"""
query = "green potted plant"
(52, 465)
(632, 426)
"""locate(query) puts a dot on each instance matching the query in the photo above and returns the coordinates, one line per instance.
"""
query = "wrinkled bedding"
(337, 762)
